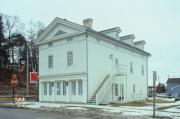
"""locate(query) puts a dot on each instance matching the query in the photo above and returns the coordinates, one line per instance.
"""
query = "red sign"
(33, 77)
(14, 80)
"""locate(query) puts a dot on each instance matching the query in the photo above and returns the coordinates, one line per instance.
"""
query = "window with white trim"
(69, 58)
(116, 62)
(50, 61)
(73, 87)
(50, 43)
(80, 88)
(142, 69)
(45, 88)
(64, 87)
(116, 89)
(134, 88)
(131, 67)
(50, 88)
(59, 88)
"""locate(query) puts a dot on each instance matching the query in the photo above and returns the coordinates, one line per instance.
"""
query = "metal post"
(27, 78)
(13, 94)
(154, 92)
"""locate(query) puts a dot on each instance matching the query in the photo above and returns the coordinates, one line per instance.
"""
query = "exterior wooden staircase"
(102, 90)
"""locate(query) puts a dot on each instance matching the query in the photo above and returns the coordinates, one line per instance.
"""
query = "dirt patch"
(133, 104)
(159, 101)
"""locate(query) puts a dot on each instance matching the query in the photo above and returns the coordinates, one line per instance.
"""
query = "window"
(58, 88)
(131, 67)
(64, 87)
(116, 89)
(134, 88)
(142, 69)
(69, 39)
(122, 90)
(69, 58)
(80, 87)
(45, 88)
(50, 44)
(73, 88)
(50, 88)
(50, 61)
(59, 33)
(116, 62)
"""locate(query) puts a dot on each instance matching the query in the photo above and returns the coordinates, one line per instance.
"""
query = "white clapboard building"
(80, 65)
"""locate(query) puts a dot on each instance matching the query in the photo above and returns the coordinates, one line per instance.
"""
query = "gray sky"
(155, 21)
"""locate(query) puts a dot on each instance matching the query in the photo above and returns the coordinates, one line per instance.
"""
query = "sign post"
(14, 82)
(154, 92)
(34, 80)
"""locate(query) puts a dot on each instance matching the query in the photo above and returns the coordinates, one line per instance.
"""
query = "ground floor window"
(50, 88)
(121, 92)
(64, 87)
(58, 88)
(116, 89)
(73, 87)
(45, 88)
(80, 88)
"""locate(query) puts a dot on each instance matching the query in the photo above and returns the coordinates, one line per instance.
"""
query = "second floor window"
(50, 61)
(142, 69)
(131, 67)
(116, 62)
(134, 88)
(50, 44)
(69, 58)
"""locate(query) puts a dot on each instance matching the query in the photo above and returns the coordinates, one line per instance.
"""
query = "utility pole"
(27, 68)
(154, 92)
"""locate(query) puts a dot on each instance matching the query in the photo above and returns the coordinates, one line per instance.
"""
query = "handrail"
(104, 88)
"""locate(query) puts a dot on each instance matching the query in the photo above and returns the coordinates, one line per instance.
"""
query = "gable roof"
(88, 30)
(62, 21)
(173, 80)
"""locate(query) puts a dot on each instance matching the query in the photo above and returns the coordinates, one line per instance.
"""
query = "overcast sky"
(155, 21)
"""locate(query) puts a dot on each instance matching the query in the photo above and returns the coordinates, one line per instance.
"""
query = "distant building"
(79, 64)
(173, 87)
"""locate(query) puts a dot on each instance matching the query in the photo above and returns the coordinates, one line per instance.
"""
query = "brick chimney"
(88, 23)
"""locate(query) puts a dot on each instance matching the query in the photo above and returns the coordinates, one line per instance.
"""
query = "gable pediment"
(59, 27)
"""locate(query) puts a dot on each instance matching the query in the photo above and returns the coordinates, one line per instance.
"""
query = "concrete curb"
(8, 106)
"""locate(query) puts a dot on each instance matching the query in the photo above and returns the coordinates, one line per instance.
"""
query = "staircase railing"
(104, 88)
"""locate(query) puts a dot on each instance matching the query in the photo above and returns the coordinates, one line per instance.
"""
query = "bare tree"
(12, 30)
(34, 31)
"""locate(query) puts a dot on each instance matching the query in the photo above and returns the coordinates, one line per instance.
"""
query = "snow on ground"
(167, 109)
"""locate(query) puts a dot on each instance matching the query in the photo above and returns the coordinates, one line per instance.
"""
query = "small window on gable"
(59, 33)
(50, 44)
(69, 39)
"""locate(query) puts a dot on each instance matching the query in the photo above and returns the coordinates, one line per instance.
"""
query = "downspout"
(147, 75)
(87, 66)
(126, 87)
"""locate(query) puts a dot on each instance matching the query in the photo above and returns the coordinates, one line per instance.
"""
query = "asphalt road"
(9, 113)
